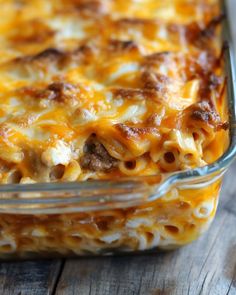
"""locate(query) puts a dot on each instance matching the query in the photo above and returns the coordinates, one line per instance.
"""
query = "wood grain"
(207, 266)
(231, 4)
(29, 278)
(228, 201)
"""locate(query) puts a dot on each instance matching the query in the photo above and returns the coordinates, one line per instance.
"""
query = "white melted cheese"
(68, 28)
(111, 238)
(60, 153)
(122, 70)
(133, 113)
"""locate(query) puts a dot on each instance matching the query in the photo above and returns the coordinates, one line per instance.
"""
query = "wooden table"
(207, 266)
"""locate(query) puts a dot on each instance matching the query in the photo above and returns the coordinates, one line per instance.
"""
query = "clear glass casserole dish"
(107, 217)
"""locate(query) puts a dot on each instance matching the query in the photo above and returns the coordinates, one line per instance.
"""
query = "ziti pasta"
(105, 89)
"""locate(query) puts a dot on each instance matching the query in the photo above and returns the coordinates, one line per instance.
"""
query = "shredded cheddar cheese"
(105, 82)
(104, 89)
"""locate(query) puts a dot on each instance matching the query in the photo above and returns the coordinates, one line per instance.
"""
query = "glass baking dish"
(107, 217)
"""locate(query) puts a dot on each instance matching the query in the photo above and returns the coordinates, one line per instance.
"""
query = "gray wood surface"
(208, 266)
(29, 278)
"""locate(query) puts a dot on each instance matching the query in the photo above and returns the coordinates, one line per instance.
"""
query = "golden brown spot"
(59, 58)
(135, 132)
(154, 120)
(57, 91)
(61, 91)
(158, 59)
(204, 112)
(90, 6)
(134, 21)
(132, 93)
(123, 46)
(201, 37)
(210, 83)
(158, 84)
(32, 32)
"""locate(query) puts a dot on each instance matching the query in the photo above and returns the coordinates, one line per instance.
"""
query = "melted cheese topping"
(100, 89)
(109, 84)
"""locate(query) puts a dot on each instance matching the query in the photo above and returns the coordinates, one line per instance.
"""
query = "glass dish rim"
(125, 192)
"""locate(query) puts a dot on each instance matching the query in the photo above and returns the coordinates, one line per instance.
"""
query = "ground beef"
(96, 157)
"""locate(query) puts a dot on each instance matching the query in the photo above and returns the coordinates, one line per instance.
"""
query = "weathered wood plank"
(29, 278)
(208, 266)
(231, 13)
(228, 196)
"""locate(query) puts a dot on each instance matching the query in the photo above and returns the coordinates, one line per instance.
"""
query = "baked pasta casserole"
(106, 89)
